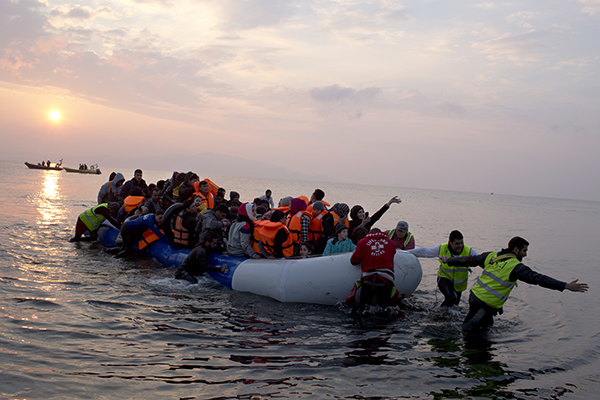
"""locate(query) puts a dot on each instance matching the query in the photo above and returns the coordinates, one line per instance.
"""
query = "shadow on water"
(472, 356)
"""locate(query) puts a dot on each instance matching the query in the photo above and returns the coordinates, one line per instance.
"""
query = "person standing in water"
(452, 280)
(501, 271)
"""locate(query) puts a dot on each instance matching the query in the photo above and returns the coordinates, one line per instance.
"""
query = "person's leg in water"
(478, 317)
(451, 297)
(80, 229)
(375, 290)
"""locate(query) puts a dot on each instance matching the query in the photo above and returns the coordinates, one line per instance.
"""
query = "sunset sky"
(491, 96)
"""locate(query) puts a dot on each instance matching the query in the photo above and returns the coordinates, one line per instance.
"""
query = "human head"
(234, 205)
(221, 192)
(268, 193)
(358, 233)
(155, 194)
(297, 205)
(112, 176)
(203, 187)
(158, 217)
(519, 247)
(234, 196)
(137, 175)
(113, 208)
(260, 211)
(357, 213)
(285, 202)
(341, 209)
(190, 206)
(341, 231)
(401, 229)
(318, 194)
(221, 211)
(211, 240)
(318, 208)
(278, 216)
(306, 249)
(456, 242)
(247, 210)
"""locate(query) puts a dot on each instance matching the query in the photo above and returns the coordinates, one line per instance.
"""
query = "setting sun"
(54, 115)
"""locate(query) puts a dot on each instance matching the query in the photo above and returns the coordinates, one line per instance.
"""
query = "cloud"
(591, 7)
(20, 21)
(336, 93)
(522, 48)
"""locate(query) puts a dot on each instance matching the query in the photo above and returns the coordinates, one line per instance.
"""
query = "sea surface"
(76, 323)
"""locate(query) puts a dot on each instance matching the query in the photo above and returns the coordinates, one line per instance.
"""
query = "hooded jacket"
(109, 192)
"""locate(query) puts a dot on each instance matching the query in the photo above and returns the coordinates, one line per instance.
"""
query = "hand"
(365, 221)
(577, 287)
(393, 200)
(444, 259)
(271, 257)
(256, 257)
(224, 268)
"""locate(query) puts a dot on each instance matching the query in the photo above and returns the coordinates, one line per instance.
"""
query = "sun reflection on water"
(49, 202)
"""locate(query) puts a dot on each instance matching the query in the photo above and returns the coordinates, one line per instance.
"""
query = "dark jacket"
(129, 185)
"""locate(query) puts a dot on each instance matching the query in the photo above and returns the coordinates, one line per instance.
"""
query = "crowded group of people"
(192, 213)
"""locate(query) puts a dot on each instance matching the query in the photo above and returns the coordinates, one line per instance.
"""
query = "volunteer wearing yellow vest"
(452, 281)
(402, 238)
(90, 220)
(501, 272)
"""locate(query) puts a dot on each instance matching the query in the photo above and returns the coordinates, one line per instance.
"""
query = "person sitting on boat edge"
(402, 238)
(109, 192)
(240, 233)
(375, 254)
(340, 242)
(133, 229)
(136, 181)
(197, 262)
(90, 220)
(361, 218)
(184, 230)
(452, 281)
(501, 272)
(213, 220)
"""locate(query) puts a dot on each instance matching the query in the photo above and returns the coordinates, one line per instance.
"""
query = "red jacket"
(375, 251)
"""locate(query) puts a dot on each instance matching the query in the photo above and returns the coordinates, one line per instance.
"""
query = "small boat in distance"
(93, 169)
(45, 165)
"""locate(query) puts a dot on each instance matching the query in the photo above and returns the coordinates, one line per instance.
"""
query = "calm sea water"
(76, 323)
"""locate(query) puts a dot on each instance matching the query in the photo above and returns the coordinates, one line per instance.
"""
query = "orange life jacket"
(285, 209)
(132, 202)
(148, 237)
(209, 199)
(315, 230)
(255, 239)
(212, 187)
(294, 225)
(267, 233)
(336, 219)
(180, 234)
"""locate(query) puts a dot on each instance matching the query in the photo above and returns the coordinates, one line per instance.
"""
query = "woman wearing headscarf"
(240, 233)
(362, 219)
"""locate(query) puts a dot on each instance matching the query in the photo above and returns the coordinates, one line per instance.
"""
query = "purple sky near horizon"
(490, 96)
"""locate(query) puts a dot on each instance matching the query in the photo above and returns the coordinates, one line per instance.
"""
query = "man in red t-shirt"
(375, 253)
